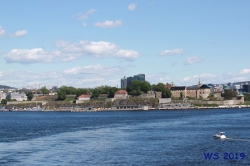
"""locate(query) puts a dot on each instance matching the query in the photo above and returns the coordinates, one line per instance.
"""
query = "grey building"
(124, 83)
(246, 88)
(17, 96)
(127, 81)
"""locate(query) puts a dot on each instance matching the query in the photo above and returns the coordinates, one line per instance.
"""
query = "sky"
(90, 43)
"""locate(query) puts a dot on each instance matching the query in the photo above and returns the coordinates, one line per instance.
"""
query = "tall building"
(124, 83)
(246, 88)
(127, 81)
(140, 77)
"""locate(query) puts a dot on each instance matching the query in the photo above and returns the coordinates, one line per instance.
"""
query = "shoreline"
(134, 109)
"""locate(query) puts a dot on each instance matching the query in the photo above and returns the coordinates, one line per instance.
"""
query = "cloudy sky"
(88, 43)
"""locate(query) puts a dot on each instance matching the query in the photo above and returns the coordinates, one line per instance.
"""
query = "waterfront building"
(121, 94)
(127, 81)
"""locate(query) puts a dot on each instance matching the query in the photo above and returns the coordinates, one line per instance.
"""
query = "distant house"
(121, 94)
(52, 93)
(17, 96)
(84, 97)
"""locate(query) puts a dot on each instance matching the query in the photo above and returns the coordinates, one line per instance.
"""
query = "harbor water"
(166, 137)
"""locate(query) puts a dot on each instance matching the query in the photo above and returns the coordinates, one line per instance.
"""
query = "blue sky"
(88, 43)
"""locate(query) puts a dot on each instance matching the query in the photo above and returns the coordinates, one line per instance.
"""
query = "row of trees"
(137, 87)
(65, 90)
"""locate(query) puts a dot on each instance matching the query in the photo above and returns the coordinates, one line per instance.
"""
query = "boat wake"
(238, 139)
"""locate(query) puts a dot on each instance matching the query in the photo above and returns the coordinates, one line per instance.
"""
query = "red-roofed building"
(83, 97)
(121, 94)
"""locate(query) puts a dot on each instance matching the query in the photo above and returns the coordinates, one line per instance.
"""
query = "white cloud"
(84, 24)
(2, 31)
(192, 60)
(132, 6)
(109, 24)
(97, 75)
(100, 49)
(245, 71)
(127, 54)
(35, 55)
(172, 52)
(84, 16)
(21, 33)
(84, 77)
(70, 51)
(193, 80)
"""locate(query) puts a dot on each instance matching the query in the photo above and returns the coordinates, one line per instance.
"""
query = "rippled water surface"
(124, 137)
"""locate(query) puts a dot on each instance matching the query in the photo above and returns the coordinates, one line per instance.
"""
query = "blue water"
(179, 137)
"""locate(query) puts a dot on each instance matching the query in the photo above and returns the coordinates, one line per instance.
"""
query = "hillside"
(6, 87)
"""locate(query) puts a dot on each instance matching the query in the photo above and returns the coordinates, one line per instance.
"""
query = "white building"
(121, 94)
(2, 96)
(17, 96)
(84, 97)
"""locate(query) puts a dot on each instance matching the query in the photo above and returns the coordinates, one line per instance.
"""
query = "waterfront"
(172, 137)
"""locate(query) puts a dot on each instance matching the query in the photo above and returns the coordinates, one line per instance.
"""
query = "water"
(125, 137)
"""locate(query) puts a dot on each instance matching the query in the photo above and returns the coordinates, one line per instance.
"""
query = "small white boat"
(221, 135)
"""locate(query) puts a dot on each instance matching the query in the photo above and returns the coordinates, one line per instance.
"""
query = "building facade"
(124, 83)
(121, 94)
(127, 81)
(198, 91)
(84, 97)
(17, 96)
(2, 96)
(246, 88)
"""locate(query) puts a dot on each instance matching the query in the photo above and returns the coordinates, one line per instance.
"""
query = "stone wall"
(223, 102)
(25, 102)
(164, 100)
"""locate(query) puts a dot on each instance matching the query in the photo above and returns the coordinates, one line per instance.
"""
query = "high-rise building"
(127, 81)
(124, 82)
(246, 88)
(140, 77)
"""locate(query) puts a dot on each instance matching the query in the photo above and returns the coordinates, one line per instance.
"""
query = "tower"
(199, 83)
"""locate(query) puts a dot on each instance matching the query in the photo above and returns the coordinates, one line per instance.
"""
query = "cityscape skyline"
(89, 44)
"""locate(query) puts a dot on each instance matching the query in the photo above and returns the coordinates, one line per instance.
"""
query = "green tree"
(95, 93)
(145, 87)
(80, 91)
(153, 87)
(229, 94)
(61, 95)
(160, 87)
(4, 101)
(44, 90)
(112, 91)
(29, 95)
(247, 97)
(166, 93)
(181, 95)
(134, 88)
(68, 90)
